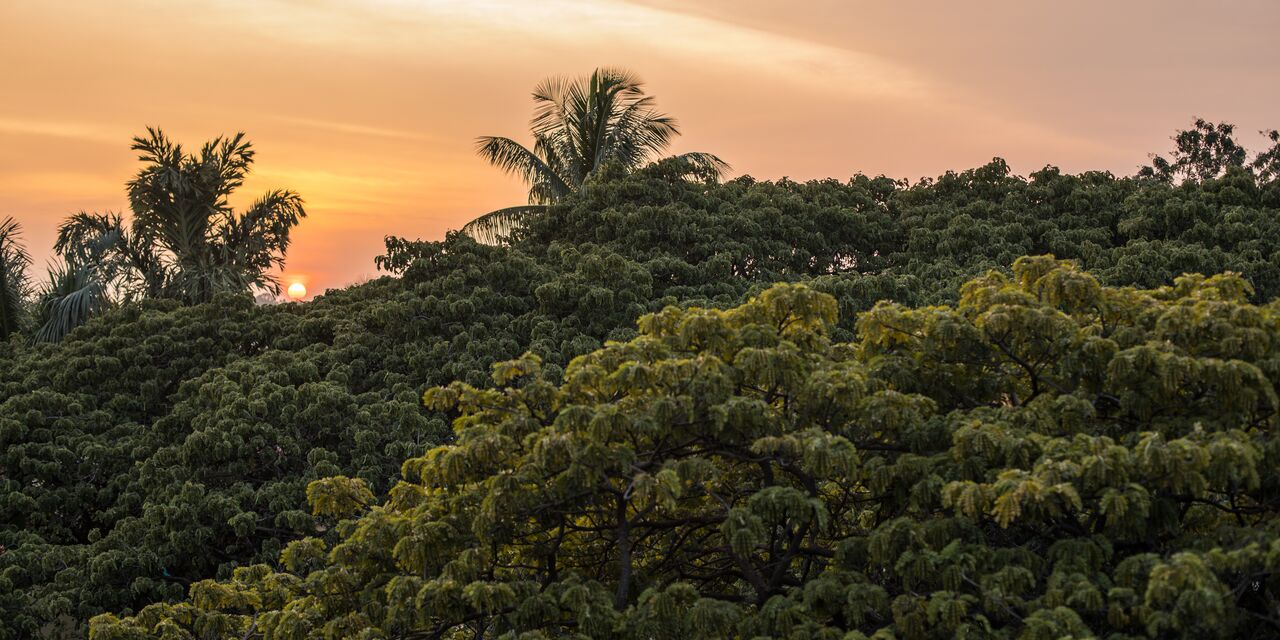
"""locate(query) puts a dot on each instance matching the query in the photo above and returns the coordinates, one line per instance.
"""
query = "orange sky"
(370, 109)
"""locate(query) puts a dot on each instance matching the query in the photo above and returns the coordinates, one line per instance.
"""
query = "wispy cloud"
(701, 41)
(420, 25)
(360, 129)
(60, 129)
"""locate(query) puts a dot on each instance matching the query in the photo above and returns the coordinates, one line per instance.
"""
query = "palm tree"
(201, 245)
(184, 240)
(580, 125)
(70, 298)
(14, 284)
(128, 262)
(93, 273)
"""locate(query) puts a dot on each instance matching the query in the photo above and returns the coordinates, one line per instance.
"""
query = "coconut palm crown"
(580, 125)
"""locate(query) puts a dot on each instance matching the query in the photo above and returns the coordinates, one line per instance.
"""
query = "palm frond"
(559, 157)
(549, 106)
(15, 286)
(71, 297)
(620, 80)
(226, 162)
(89, 237)
(513, 157)
(252, 244)
(640, 132)
(494, 227)
(698, 165)
(157, 150)
(599, 121)
(542, 193)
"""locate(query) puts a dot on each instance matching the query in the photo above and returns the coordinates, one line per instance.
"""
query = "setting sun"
(297, 291)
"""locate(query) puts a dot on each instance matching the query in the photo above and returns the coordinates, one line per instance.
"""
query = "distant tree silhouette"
(1202, 152)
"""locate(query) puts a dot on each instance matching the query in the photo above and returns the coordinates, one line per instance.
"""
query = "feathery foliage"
(15, 286)
(181, 210)
(580, 126)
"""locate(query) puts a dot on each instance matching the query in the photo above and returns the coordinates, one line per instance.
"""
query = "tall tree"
(181, 210)
(184, 241)
(1202, 152)
(1266, 164)
(14, 284)
(580, 125)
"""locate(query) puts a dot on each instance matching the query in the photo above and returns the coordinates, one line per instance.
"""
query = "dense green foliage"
(166, 442)
(160, 445)
(1048, 459)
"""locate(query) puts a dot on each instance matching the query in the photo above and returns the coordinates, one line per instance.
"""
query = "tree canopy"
(159, 445)
(1048, 458)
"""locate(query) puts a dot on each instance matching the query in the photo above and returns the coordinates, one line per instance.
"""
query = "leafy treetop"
(1048, 458)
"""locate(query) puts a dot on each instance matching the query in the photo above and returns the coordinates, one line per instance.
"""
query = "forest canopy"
(919, 432)
(1049, 458)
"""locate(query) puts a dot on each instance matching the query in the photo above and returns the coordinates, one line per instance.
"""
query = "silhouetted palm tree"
(92, 275)
(14, 284)
(202, 246)
(184, 240)
(578, 126)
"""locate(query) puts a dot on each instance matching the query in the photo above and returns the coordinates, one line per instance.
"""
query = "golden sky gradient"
(370, 109)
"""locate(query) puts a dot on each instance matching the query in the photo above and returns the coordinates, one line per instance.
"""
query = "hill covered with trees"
(1050, 454)
(1048, 458)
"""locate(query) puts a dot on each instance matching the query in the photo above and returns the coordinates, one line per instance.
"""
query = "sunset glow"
(297, 291)
(370, 110)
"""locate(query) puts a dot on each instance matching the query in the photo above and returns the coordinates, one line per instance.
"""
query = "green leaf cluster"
(1047, 458)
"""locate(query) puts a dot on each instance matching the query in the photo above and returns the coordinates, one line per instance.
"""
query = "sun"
(297, 291)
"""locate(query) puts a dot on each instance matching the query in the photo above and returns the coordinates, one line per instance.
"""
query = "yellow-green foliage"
(1049, 458)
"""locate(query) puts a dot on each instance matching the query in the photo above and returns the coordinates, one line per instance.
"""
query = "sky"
(370, 109)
